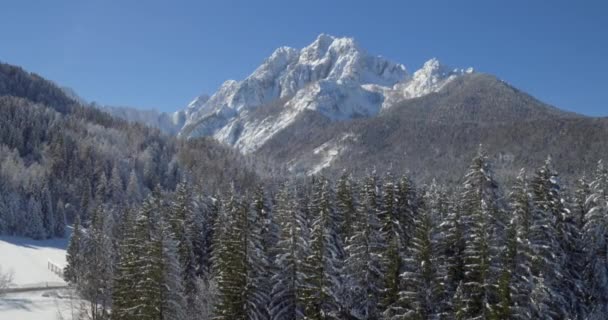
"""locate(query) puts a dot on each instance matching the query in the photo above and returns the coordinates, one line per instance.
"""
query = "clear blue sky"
(161, 54)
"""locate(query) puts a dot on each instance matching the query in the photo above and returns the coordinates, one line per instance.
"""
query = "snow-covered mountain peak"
(333, 76)
(430, 78)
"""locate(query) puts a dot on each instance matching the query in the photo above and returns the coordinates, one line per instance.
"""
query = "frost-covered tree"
(260, 241)
(595, 236)
(364, 251)
(420, 297)
(60, 220)
(181, 219)
(48, 214)
(549, 295)
(516, 282)
(95, 285)
(292, 249)
(483, 224)
(73, 270)
(324, 264)
(34, 227)
(230, 259)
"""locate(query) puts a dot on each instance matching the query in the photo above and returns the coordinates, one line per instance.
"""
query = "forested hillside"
(60, 159)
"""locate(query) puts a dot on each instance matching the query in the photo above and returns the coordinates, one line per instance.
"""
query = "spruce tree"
(181, 220)
(323, 265)
(292, 249)
(484, 224)
(365, 260)
(548, 297)
(421, 294)
(595, 235)
(73, 270)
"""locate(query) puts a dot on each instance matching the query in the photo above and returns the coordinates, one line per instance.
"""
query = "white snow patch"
(329, 151)
(39, 305)
(28, 260)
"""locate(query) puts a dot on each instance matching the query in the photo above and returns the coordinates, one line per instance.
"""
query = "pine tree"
(260, 241)
(181, 219)
(548, 296)
(595, 235)
(133, 188)
(452, 244)
(324, 265)
(75, 255)
(293, 246)
(33, 218)
(364, 263)
(230, 259)
(345, 206)
(173, 304)
(420, 298)
(48, 214)
(391, 232)
(517, 283)
(60, 220)
(484, 225)
(95, 285)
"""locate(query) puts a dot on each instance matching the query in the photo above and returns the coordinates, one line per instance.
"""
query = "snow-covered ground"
(38, 305)
(28, 260)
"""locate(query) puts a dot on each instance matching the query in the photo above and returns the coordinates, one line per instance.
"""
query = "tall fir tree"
(288, 290)
(595, 235)
(365, 260)
(324, 264)
(484, 226)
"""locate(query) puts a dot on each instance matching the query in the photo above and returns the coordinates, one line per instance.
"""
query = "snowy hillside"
(332, 76)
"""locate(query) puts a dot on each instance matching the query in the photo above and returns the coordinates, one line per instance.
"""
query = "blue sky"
(161, 54)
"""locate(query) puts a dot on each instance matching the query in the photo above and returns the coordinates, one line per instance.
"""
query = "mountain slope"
(435, 135)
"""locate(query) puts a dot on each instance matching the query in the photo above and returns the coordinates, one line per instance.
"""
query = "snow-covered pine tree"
(345, 206)
(292, 249)
(73, 270)
(484, 226)
(516, 282)
(391, 232)
(48, 214)
(595, 236)
(407, 207)
(364, 251)
(96, 282)
(324, 264)
(181, 219)
(86, 197)
(34, 227)
(260, 241)
(549, 296)
(133, 189)
(580, 207)
(126, 272)
(420, 297)
(230, 259)
(173, 303)
(115, 186)
(60, 220)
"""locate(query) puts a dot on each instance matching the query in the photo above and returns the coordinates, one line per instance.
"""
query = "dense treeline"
(60, 160)
(371, 248)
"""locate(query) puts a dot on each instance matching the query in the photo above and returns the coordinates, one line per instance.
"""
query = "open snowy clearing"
(28, 260)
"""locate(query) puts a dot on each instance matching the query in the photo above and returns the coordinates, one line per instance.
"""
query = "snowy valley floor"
(28, 260)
